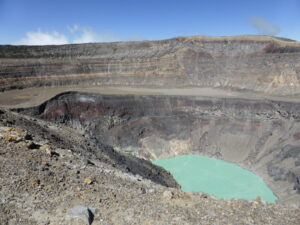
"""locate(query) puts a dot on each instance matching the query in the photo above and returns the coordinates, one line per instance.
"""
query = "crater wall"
(253, 63)
(260, 135)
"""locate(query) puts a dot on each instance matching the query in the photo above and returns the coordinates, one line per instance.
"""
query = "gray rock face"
(260, 135)
(81, 213)
(253, 63)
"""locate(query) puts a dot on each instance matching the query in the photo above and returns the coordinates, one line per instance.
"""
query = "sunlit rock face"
(253, 63)
(259, 135)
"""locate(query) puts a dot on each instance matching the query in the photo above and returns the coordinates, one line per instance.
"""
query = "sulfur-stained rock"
(46, 148)
(167, 195)
(88, 181)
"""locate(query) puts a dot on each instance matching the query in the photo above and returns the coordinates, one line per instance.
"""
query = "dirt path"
(35, 96)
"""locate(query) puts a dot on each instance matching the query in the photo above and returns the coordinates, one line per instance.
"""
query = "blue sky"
(79, 21)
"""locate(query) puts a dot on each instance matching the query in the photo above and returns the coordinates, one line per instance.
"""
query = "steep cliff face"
(254, 63)
(260, 135)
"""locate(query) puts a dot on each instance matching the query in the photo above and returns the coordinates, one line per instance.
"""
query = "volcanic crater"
(129, 103)
(259, 135)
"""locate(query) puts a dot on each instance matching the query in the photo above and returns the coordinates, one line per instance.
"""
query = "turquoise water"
(216, 177)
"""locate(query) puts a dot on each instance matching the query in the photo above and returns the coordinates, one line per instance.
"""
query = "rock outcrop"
(255, 63)
(260, 135)
(40, 186)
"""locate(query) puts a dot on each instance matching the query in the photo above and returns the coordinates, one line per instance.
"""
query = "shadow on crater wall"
(259, 135)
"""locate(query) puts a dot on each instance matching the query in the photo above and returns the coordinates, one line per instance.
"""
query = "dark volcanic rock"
(94, 149)
(256, 134)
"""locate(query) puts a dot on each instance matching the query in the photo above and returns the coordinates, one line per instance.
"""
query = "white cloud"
(264, 27)
(77, 34)
(42, 38)
(73, 28)
(87, 35)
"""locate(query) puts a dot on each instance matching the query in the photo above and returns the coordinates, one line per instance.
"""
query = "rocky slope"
(92, 151)
(260, 135)
(44, 173)
(255, 63)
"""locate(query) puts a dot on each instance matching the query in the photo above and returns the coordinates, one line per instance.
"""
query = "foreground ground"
(41, 180)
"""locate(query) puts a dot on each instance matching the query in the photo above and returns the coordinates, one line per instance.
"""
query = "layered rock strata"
(252, 63)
